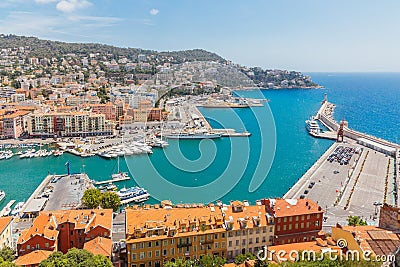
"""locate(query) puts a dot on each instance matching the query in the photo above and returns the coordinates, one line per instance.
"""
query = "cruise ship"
(312, 126)
(193, 136)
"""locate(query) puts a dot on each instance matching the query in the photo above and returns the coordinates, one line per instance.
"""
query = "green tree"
(76, 257)
(239, 259)
(261, 263)
(7, 254)
(91, 198)
(178, 263)
(110, 200)
(7, 263)
(211, 261)
(356, 221)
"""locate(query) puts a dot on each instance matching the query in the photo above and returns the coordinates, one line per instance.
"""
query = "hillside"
(46, 48)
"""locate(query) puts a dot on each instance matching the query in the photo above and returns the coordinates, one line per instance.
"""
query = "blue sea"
(266, 164)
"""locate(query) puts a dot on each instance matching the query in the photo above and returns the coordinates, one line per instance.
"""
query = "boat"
(17, 208)
(133, 194)
(312, 126)
(109, 187)
(2, 195)
(193, 136)
(120, 175)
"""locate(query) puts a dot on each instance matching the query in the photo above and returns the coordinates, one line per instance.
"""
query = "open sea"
(266, 164)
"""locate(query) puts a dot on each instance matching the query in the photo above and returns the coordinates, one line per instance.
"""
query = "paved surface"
(118, 227)
(334, 184)
(67, 192)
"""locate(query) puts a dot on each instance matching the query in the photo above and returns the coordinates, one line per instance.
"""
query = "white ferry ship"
(312, 126)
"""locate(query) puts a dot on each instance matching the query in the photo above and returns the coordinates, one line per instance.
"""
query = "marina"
(7, 209)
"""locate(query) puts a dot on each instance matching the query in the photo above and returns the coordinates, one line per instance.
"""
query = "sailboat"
(120, 175)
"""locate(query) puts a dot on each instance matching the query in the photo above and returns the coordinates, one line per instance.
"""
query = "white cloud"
(45, 1)
(69, 6)
(154, 11)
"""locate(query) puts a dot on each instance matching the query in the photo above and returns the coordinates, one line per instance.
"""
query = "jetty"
(357, 186)
(7, 209)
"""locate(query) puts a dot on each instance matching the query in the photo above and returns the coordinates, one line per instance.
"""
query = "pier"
(359, 187)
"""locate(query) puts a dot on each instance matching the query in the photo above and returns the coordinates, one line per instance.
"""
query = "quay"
(57, 192)
(7, 209)
(359, 187)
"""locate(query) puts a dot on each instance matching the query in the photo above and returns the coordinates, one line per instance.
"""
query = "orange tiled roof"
(99, 245)
(249, 214)
(301, 246)
(290, 207)
(33, 258)
(170, 218)
(44, 225)
(16, 114)
(4, 222)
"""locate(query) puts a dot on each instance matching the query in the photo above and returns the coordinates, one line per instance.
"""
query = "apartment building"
(12, 125)
(156, 235)
(64, 229)
(6, 232)
(249, 228)
(68, 124)
(109, 110)
(295, 220)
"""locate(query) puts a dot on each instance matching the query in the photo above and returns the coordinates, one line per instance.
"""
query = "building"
(389, 217)
(295, 220)
(99, 246)
(12, 124)
(6, 232)
(249, 228)
(33, 259)
(68, 124)
(375, 240)
(64, 229)
(109, 110)
(156, 235)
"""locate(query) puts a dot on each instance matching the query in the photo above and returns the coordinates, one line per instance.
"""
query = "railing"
(186, 244)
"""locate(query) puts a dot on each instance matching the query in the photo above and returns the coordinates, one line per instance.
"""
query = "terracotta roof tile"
(99, 245)
(33, 258)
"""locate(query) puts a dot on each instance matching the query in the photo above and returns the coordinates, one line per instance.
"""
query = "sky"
(302, 35)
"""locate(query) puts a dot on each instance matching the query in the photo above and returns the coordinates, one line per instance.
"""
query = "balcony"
(206, 242)
(186, 244)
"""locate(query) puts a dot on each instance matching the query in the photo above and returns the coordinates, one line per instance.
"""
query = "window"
(318, 216)
(149, 264)
(72, 232)
(308, 224)
(179, 250)
(149, 244)
(149, 255)
(141, 245)
(308, 216)
(284, 227)
(297, 218)
(164, 252)
(47, 245)
(37, 246)
(172, 251)
(264, 239)
(156, 243)
(278, 228)
(133, 256)
(28, 247)
(257, 240)
(172, 241)
(279, 220)
(296, 226)
(165, 242)
(141, 255)
(250, 240)
(257, 231)
(237, 233)
(194, 238)
(216, 236)
(270, 229)
(157, 253)
(216, 245)
(290, 219)
(223, 235)
(194, 248)
(230, 244)
(285, 219)
(250, 231)
(237, 243)
(264, 230)
(302, 225)
(290, 227)
(302, 217)
(222, 244)
(230, 234)
(243, 242)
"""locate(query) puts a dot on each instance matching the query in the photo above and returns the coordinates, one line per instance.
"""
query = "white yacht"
(312, 126)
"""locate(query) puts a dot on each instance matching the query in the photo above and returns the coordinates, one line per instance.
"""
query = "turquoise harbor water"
(370, 102)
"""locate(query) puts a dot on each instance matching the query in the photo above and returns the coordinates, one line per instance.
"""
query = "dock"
(120, 179)
(7, 209)
(231, 133)
(357, 188)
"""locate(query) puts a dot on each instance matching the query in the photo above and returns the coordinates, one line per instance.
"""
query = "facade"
(295, 220)
(6, 232)
(156, 235)
(64, 229)
(68, 124)
(109, 110)
(12, 125)
(249, 228)
(389, 217)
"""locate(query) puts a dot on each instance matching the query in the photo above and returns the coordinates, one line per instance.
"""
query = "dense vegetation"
(93, 198)
(47, 49)
(76, 258)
